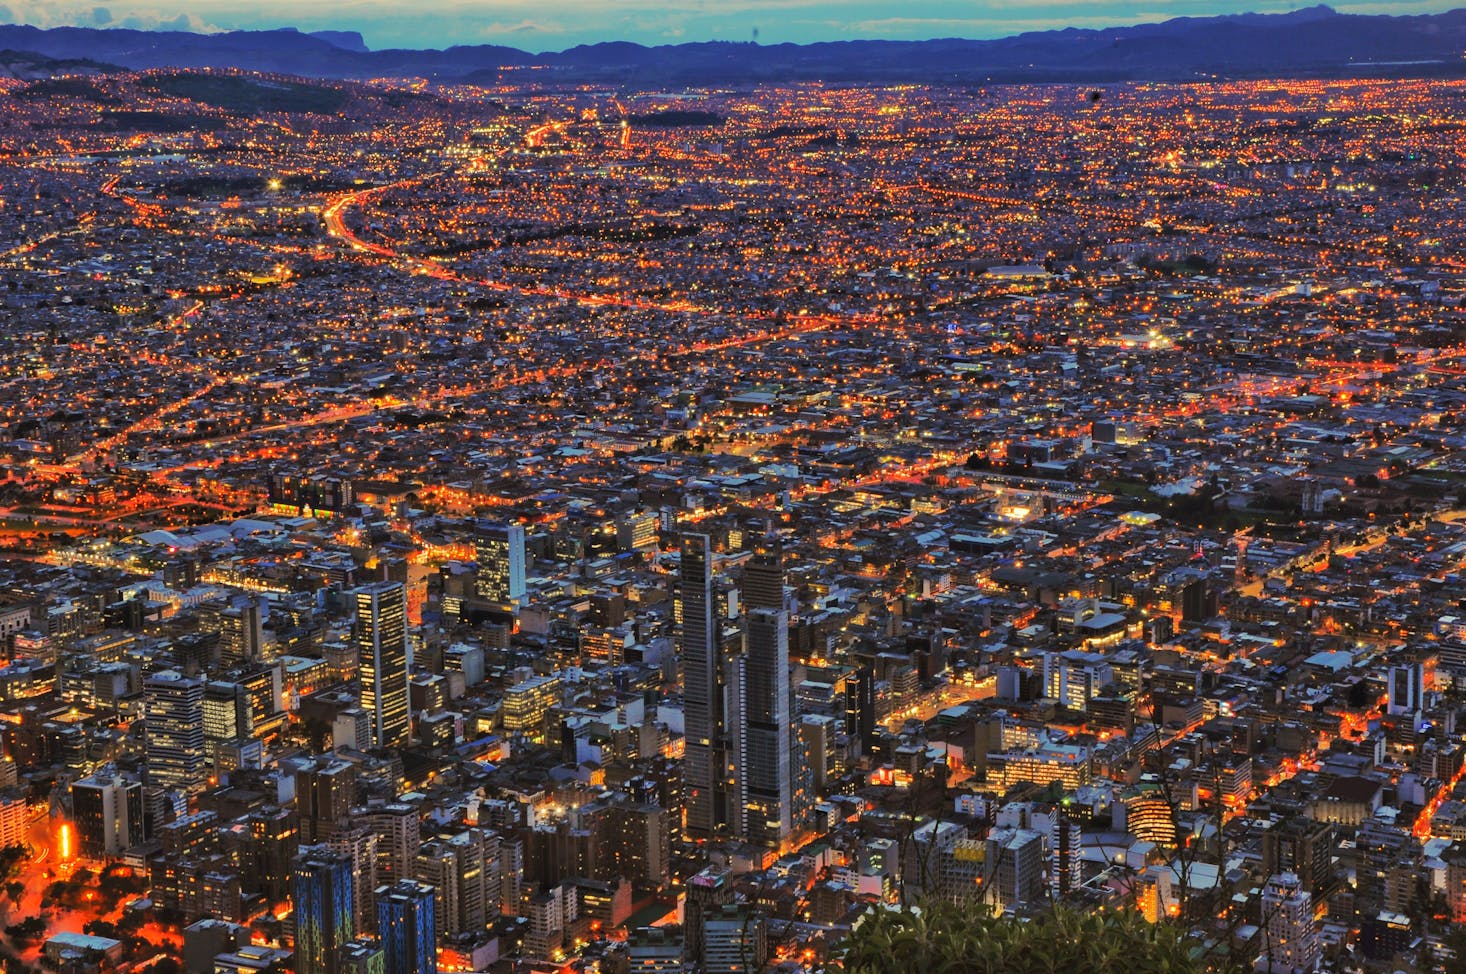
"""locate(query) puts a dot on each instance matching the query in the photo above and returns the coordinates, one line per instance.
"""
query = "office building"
(464, 872)
(399, 836)
(735, 941)
(322, 901)
(227, 719)
(705, 760)
(763, 578)
(500, 577)
(363, 957)
(1013, 868)
(383, 659)
(527, 702)
(108, 813)
(406, 927)
(1406, 688)
(1066, 845)
(1303, 847)
(359, 844)
(1149, 815)
(174, 712)
(707, 892)
(242, 632)
(264, 684)
(325, 790)
(764, 737)
(270, 842)
(1290, 936)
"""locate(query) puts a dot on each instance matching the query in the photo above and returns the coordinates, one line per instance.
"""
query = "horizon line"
(165, 28)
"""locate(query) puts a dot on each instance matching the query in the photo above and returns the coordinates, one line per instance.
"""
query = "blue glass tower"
(322, 893)
(407, 927)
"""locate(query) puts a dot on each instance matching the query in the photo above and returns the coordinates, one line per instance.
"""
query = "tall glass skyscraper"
(381, 646)
(406, 924)
(322, 898)
(704, 760)
(764, 734)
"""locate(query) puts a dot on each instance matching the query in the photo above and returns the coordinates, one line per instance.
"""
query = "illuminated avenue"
(536, 527)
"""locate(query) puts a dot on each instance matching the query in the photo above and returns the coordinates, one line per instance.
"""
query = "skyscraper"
(763, 578)
(735, 941)
(174, 711)
(381, 645)
(500, 554)
(1290, 935)
(359, 843)
(272, 841)
(706, 893)
(704, 759)
(764, 735)
(459, 867)
(405, 924)
(108, 812)
(264, 683)
(228, 718)
(325, 790)
(323, 909)
(1013, 868)
(242, 632)
(1303, 847)
(1407, 688)
(1066, 840)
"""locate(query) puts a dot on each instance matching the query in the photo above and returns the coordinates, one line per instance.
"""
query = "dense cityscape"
(532, 527)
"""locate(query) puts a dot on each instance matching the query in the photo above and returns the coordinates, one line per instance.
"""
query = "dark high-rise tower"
(406, 924)
(325, 790)
(764, 735)
(704, 761)
(108, 812)
(865, 696)
(1406, 688)
(763, 578)
(381, 645)
(706, 892)
(322, 895)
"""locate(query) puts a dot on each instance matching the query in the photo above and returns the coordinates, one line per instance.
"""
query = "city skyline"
(732, 509)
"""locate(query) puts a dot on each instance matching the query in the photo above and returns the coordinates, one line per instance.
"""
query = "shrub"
(943, 938)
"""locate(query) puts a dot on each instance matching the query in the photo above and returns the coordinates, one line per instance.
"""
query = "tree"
(317, 733)
(12, 860)
(28, 929)
(946, 938)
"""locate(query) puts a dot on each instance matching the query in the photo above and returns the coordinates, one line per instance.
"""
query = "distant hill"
(1316, 41)
(247, 96)
(30, 66)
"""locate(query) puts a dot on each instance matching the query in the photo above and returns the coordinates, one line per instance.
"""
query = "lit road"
(335, 212)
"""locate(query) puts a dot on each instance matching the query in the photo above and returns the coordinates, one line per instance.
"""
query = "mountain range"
(1314, 42)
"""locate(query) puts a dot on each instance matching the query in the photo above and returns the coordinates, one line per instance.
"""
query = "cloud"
(500, 29)
(79, 13)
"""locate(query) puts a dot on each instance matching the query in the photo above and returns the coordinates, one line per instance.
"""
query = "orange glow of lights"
(66, 842)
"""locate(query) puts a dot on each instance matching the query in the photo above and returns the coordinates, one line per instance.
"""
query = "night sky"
(539, 25)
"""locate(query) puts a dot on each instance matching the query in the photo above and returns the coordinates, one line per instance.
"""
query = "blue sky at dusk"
(539, 25)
